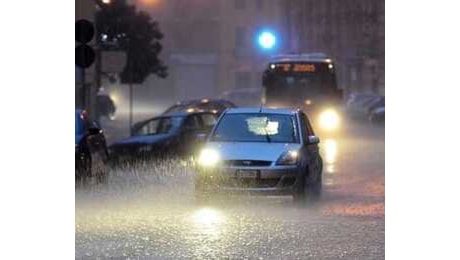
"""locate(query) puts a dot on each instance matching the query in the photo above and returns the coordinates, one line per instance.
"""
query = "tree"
(121, 27)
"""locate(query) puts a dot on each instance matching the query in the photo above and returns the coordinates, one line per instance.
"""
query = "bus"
(305, 81)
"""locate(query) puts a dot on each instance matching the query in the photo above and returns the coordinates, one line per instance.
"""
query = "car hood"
(251, 150)
(146, 139)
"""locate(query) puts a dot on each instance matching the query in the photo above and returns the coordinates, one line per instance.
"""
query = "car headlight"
(329, 119)
(288, 158)
(208, 157)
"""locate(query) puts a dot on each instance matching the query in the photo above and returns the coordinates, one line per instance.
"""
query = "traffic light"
(84, 33)
(267, 40)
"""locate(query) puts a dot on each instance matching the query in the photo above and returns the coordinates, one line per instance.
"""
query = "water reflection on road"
(330, 155)
(151, 212)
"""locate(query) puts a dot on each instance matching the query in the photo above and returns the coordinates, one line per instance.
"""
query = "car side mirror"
(94, 131)
(312, 139)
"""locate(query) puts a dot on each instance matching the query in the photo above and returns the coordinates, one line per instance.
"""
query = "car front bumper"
(273, 180)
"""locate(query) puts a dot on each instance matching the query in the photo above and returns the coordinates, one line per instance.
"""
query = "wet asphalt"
(149, 211)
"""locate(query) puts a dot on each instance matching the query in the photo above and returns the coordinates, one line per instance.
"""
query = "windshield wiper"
(267, 136)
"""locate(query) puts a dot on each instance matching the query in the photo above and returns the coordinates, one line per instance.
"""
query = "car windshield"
(256, 127)
(161, 125)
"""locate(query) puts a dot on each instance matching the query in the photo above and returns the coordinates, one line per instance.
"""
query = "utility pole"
(83, 88)
(98, 71)
(84, 57)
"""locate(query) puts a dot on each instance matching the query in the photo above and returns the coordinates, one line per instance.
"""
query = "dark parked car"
(261, 151)
(377, 103)
(376, 113)
(171, 135)
(91, 153)
(212, 105)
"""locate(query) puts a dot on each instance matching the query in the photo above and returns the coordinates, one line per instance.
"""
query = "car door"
(311, 149)
(191, 127)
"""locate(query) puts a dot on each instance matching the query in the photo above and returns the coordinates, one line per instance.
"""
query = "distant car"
(91, 154)
(172, 135)
(377, 115)
(262, 151)
(211, 105)
(376, 110)
(105, 106)
(378, 102)
(357, 105)
(244, 97)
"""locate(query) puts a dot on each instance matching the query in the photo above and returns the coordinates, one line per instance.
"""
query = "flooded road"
(150, 212)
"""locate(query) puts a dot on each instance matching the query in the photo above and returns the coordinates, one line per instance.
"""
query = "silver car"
(262, 151)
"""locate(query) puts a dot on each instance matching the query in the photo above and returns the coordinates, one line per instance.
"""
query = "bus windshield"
(295, 82)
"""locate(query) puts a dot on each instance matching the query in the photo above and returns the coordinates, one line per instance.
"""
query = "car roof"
(201, 101)
(181, 113)
(267, 110)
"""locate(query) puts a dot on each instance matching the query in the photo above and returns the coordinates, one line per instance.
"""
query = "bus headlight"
(208, 157)
(329, 119)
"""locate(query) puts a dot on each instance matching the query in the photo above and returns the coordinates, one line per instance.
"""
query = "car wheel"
(299, 193)
(100, 168)
(315, 182)
(309, 188)
(84, 172)
(314, 188)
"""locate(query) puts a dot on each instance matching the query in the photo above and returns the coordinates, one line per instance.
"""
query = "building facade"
(210, 45)
(350, 31)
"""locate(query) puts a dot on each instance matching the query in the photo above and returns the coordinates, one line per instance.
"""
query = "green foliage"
(121, 27)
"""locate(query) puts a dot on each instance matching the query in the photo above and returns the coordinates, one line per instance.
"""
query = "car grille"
(246, 163)
(250, 183)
